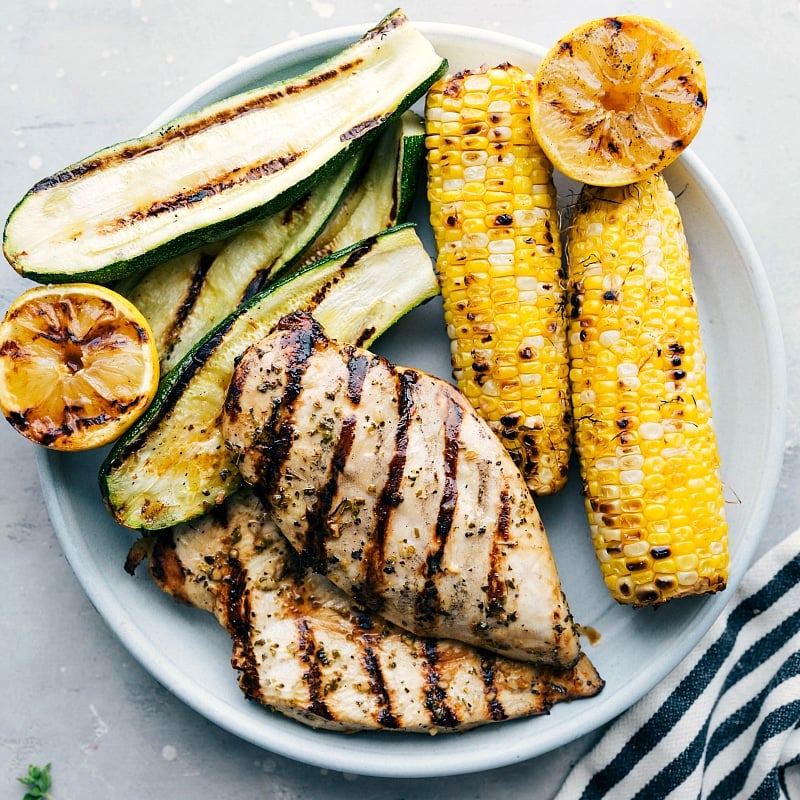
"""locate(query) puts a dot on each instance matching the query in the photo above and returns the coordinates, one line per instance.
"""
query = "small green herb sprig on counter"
(38, 782)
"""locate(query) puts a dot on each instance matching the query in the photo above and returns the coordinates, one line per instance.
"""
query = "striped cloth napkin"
(725, 723)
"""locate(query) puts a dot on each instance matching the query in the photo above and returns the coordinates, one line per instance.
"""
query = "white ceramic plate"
(189, 654)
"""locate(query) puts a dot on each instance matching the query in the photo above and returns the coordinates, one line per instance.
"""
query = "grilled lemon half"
(78, 365)
(618, 99)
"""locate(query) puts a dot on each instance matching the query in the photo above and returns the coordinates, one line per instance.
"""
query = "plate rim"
(328, 752)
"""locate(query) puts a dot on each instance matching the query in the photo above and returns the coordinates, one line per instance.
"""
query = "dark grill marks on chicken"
(312, 553)
(357, 366)
(436, 695)
(428, 606)
(235, 596)
(493, 705)
(496, 587)
(372, 665)
(278, 446)
(307, 647)
(370, 592)
(166, 568)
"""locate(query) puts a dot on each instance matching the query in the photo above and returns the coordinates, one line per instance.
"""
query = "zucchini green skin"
(209, 173)
(173, 465)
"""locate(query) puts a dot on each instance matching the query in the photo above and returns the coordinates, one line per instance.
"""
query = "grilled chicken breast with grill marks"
(387, 481)
(303, 648)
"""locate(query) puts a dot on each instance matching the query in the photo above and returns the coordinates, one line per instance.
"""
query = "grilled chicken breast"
(303, 648)
(385, 479)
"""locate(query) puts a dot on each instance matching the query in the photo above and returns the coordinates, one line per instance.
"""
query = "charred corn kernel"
(643, 425)
(494, 217)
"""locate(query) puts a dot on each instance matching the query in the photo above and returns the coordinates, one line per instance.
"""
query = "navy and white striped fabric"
(726, 721)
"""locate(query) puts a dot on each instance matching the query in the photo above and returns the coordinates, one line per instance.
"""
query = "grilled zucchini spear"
(644, 431)
(494, 216)
(208, 173)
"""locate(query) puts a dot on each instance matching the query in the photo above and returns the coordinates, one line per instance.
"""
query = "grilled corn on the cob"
(494, 216)
(643, 422)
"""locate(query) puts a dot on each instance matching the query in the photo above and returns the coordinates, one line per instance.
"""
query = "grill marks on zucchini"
(65, 176)
(211, 172)
(196, 281)
(168, 403)
(173, 133)
(357, 131)
(214, 188)
(389, 23)
(381, 195)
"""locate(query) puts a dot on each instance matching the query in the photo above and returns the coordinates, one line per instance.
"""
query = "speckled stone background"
(76, 75)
